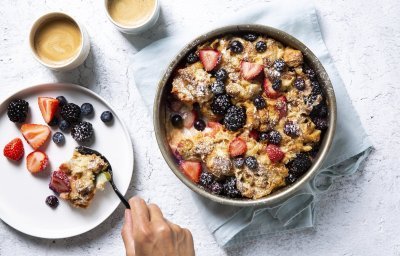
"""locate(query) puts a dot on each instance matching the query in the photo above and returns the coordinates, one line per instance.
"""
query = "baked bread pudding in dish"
(246, 115)
(79, 179)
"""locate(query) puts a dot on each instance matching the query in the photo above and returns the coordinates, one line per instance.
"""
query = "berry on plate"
(14, 150)
(237, 147)
(191, 169)
(269, 91)
(35, 134)
(36, 161)
(48, 107)
(209, 58)
(250, 70)
(17, 110)
(274, 153)
(59, 182)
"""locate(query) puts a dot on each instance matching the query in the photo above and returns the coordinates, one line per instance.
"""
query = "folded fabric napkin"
(233, 225)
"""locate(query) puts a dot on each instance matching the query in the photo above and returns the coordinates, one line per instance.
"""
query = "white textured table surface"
(358, 216)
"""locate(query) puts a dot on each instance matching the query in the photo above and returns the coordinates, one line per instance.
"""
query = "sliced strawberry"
(237, 147)
(209, 58)
(48, 106)
(59, 182)
(36, 161)
(191, 169)
(250, 70)
(269, 91)
(254, 134)
(14, 150)
(274, 153)
(281, 106)
(189, 118)
(35, 134)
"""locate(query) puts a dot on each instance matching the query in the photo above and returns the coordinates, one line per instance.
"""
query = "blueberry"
(206, 179)
(263, 136)
(218, 87)
(274, 137)
(279, 65)
(238, 162)
(276, 85)
(250, 37)
(192, 58)
(61, 101)
(58, 138)
(251, 162)
(261, 46)
(299, 84)
(54, 121)
(259, 102)
(221, 75)
(106, 116)
(236, 46)
(177, 121)
(216, 188)
(52, 201)
(86, 109)
(199, 125)
(64, 126)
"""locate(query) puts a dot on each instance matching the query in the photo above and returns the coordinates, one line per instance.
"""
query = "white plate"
(22, 195)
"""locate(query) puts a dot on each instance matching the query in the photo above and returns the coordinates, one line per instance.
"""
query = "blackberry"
(250, 37)
(216, 188)
(71, 113)
(52, 201)
(218, 87)
(199, 125)
(321, 123)
(290, 179)
(61, 101)
(261, 46)
(58, 138)
(192, 58)
(221, 104)
(230, 189)
(86, 109)
(279, 65)
(274, 137)
(276, 85)
(238, 162)
(64, 126)
(263, 136)
(54, 121)
(206, 179)
(221, 75)
(235, 118)
(309, 72)
(299, 165)
(299, 84)
(320, 110)
(291, 129)
(177, 121)
(251, 162)
(17, 110)
(259, 102)
(106, 116)
(236, 46)
(82, 131)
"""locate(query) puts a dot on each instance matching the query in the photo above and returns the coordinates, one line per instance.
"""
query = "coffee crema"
(131, 13)
(58, 40)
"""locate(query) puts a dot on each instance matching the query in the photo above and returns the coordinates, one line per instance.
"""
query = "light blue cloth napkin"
(233, 225)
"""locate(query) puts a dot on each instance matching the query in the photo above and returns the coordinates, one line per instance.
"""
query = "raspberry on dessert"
(238, 162)
(192, 58)
(206, 179)
(279, 65)
(35, 134)
(52, 201)
(191, 169)
(236, 46)
(48, 107)
(36, 161)
(61, 101)
(106, 117)
(58, 138)
(64, 126)
(71, 113)
(220, 104)
(235, 118)
(177, 121)
(291, 129)
(250, 37)
(250, 70)
(274, 137)
(261, 46)
(221, 75)
(59, 182)
(299, 84)
(218, 87)
(230, 189)
(216, 188)
(299, 165)
(199, 125)
(259, 102)
(17, 110)
(274, 153)
(87, 109)
(209, 58)
(14, 150)
(237, 147)
(82, 131)
(251, 162)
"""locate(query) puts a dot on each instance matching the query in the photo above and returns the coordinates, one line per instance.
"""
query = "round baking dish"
(160, 117)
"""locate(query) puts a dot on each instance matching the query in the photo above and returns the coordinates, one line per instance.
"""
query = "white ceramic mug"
(140, 28)
(72, 63)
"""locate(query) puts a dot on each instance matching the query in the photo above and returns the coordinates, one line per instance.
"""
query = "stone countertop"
(358, 216)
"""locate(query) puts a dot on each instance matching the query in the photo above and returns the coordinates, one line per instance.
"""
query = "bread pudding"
(246, 115)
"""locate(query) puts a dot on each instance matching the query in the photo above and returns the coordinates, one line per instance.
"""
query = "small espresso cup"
(55, 34)
(137, 28)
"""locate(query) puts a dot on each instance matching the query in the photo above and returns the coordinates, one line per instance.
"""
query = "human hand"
(146, 232)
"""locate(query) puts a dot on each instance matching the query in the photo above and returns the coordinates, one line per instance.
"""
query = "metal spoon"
(88, 151)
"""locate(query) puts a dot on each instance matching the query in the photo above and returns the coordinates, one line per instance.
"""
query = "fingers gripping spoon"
(88, 151)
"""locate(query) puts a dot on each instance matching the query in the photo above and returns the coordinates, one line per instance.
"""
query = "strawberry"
(36, 161)
(274, 153)
(254, 134)
(269, 91)
(281, 106)
(191, 169)
(14, 150)
(189, 118)
(48, 106)
(250, 70)
(209, 58)
(237, 147)
(59, 182)
(35, 134)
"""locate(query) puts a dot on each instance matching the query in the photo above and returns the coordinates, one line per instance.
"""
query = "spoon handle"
(121, 197)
